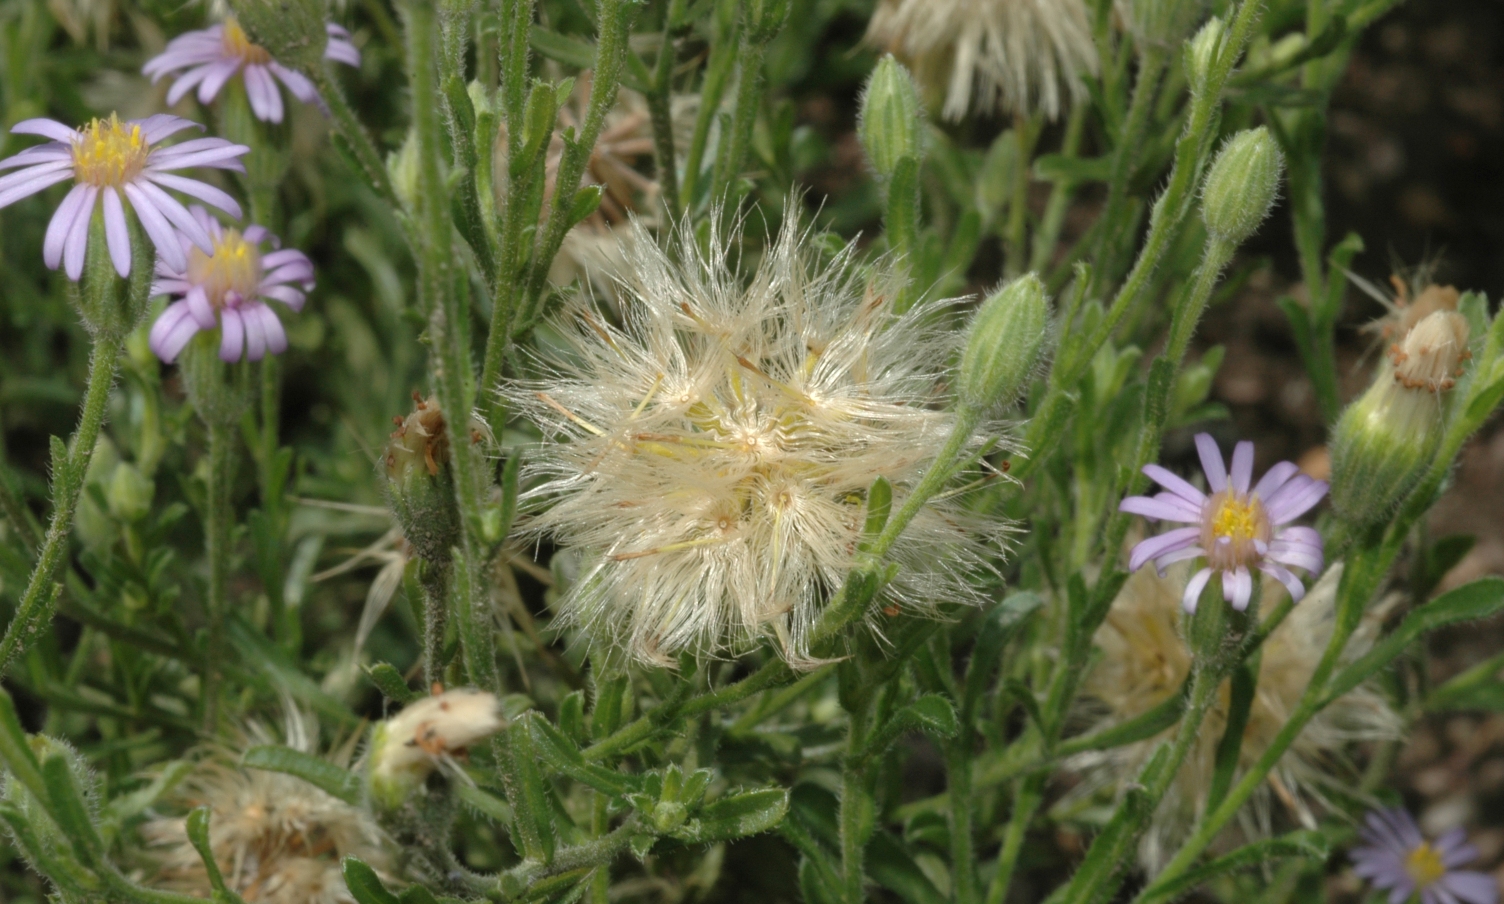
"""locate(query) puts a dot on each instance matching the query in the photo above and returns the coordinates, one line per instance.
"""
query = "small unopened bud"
(406, 748)
(420, 486)
(891, 120)
(1241, 187)
(1384, 441)
(1160, 23)
(130, 493)
(402, 167)
(1201, 52)
(292, 31)
(1004, 346)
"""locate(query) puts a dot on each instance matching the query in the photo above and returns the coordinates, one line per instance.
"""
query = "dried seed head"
(409, 746)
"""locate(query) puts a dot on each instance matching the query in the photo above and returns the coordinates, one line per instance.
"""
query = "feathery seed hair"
(711, 455)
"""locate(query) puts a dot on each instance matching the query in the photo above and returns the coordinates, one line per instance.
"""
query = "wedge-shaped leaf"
(1311, 845)
(320, 773)
(1479, 599)
(365, 886)
(736, 816)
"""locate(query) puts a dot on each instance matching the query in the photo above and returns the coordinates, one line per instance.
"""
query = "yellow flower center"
(1425, 866)
(1237, 523)
(235, 266)
(109, 152)
(238, 44)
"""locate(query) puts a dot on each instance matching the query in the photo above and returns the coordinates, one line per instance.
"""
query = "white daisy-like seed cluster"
(711, 455)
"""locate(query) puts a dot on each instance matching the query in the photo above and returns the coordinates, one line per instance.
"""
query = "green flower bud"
(406, 748)
(1005, 343)
(1160, 23)
(1201, 51)
(1385, 441)
(129, 494)
(292, 31)
(217, 391)
(420, 483)
(891, 120)
(1241, 187)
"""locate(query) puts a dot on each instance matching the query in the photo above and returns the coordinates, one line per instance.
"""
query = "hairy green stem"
(660, 109)
(1016, 250)
(219, 521)
(1125, 157)
(1047, 236)
(347, 126)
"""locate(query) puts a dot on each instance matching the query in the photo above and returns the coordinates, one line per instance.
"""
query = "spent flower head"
(229, 287)
(1146, 659)
(1396, 858)
(989, 56)
(409, 746)
(712, 454)
(1239, 526)
(207, 59)
(112, 163)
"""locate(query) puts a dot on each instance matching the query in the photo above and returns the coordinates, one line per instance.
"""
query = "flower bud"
(1385, 441)
(1241, 186)
(1004, 346)
(1201, 52)
(420, 485)
(406, 748)
(1160, 23)
(292, 31)
(891, 120)
(402, 168)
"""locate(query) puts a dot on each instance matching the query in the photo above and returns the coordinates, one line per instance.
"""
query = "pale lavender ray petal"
(1211, 462)
(1274, 478)
(336, 30)
(1164, 543)
(1454, 849)
(297, 83)
(1296, 589)
(276, 259)
(256, 93)
(117, 235)
(232, 343)
(256, 235)
(162, 125)
(200, 190)
(60, 224)
(276, 336)
(174, 58)
(285, 294)
(206, 220)
(296, 271)
(178, 215)
(343, 52)
(47, 128)
(1237, 587)
(172, 331)
(51, 152)
(1473, 887)
(1153, 508)
(1193, 588)
(1168, 559)
(1297, 553)
(1404, 827)
(1435, 894)
(187, 82)
(32, 184)
(184, 148)
(1176, 485)
(198, 305)
(218, 74)
(1241, 474)
(223, 157)
(32, 172)
(76, 242)
(168, 244)
(1288, 504)
(255, 333)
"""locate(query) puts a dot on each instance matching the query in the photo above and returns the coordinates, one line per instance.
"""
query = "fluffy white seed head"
(1145, 660)
(406, 748)
(711, 455)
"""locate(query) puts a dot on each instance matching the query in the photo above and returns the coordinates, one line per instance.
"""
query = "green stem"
(1026, 133)
(660, 108)
(347, 126)
(856, 808)
(962, 849)
(728, 165)
(1025, 803)
(435, 620)
(219, 520)
(1047, 236)
(718, 71)
(1125, 157)
(37, 600)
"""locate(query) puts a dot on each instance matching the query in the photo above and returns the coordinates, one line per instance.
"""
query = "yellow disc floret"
(109, 152)
(238, 44)
(1425, 866)
(1235, 526)
(235, 267)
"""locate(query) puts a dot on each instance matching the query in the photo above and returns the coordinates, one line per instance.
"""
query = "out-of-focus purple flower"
(111, 163)
(229, 288)
(210, 57)
(1238, 527)
(1397, 859)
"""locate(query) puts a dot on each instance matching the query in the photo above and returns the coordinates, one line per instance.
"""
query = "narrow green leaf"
(1480, 599)
(197, 827)
(585, 202)
(365, 886)
(391, 683)
(579, 54)
(1061, 168)
(1307, 844)
(879, 504)
(891, 864)
(483, 802)
(998, 627)
(318, 772)
(931, 714)
(564, 756)
(527, 792)
(1145, 725)
(16, 750)
(67, 808)
(736, 816)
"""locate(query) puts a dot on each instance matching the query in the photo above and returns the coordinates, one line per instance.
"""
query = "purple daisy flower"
(229, 287)
(1235, 528)
(1399, 860)
(210, 57)
(108, 159)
